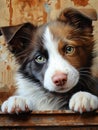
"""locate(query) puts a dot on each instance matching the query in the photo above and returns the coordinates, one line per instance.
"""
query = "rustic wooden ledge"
(50, 119)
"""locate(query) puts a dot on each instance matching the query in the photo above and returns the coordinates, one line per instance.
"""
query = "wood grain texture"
(50, 119)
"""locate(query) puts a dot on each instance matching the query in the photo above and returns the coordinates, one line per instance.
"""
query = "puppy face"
(60, 75)
(52, 55)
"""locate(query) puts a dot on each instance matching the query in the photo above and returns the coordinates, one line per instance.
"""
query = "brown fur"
(82, 42)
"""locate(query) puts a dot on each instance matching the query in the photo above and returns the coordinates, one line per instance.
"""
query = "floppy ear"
(81, 18)
(18, 37)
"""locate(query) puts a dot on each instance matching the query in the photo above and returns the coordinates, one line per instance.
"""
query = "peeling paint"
(11, 12)
(80, 2)
(58, 4)
(1, 47)
(8, 67)
(3, 57)
(47, 7)
(9, 5)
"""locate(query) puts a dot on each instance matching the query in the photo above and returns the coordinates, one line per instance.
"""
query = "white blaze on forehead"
(50, 42)
(57, 63)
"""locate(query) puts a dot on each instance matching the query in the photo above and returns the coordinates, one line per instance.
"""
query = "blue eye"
(40, 59)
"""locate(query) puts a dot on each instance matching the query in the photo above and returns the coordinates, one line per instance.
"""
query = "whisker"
(89, 77)
(86, 79)
(81, 83)
(84, 69)
(86, 75)
(86, 72)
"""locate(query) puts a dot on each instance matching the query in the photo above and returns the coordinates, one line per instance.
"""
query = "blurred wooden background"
(13, 12)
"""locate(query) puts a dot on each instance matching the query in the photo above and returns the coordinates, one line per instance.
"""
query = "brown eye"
(69, 49)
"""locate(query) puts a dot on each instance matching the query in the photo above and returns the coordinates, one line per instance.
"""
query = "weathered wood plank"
(49, 119)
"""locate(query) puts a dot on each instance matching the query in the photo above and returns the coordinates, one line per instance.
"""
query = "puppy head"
(52, 55)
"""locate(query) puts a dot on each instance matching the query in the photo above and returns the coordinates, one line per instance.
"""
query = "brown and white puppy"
(55, 61)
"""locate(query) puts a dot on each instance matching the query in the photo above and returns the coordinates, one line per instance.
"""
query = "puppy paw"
(83, 102)
(16, 104)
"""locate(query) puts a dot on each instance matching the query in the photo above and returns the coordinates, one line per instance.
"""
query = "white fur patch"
(57, 63)
(83, 101)
(17, 104)
(30, 96)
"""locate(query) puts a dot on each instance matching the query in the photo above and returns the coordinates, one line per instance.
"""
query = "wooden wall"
(13, 12)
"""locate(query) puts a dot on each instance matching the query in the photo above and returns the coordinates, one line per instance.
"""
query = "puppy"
(55, 61)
